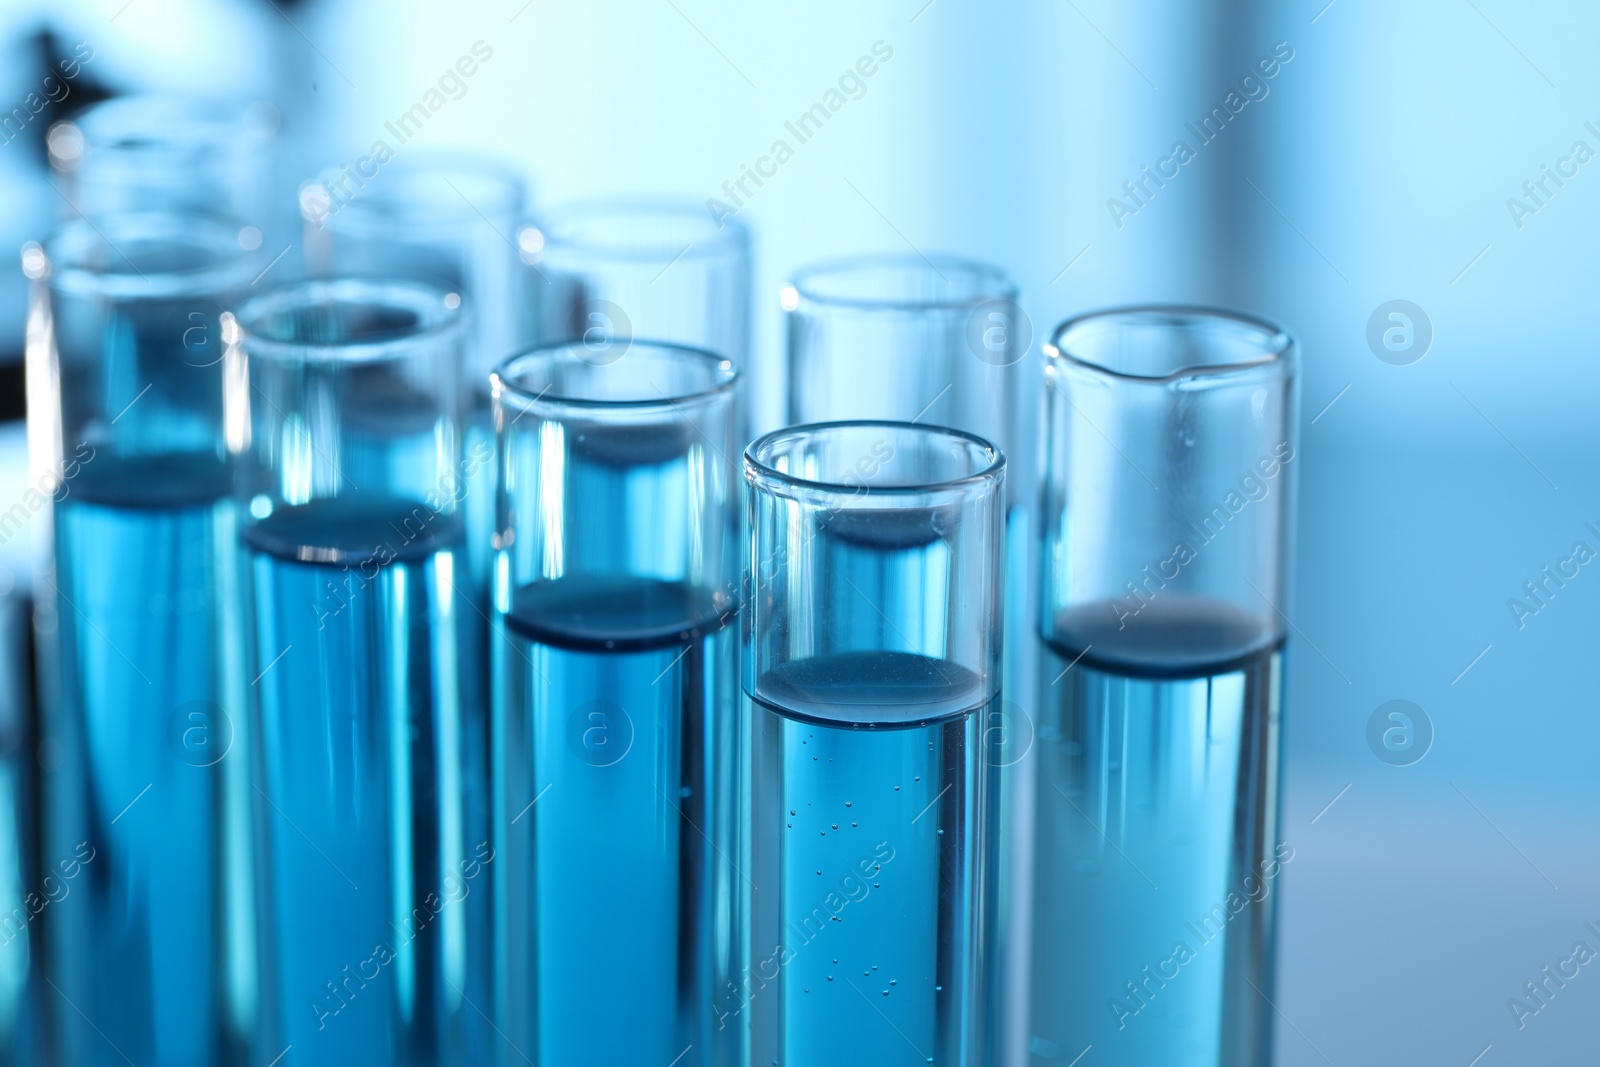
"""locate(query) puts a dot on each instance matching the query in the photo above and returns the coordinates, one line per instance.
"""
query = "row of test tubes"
(458, 647)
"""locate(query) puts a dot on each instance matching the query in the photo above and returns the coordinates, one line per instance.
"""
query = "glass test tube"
(936, 340)
(450, 222)
(205, 155)
(609, 271)
(872, 659)
(447, 221)
(615, 693)
(1168, 487)
(150, 948)
(342, 408)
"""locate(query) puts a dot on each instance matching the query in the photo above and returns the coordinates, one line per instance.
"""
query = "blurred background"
(1399, 153)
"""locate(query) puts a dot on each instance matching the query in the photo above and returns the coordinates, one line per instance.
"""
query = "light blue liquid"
(143, 550)
(616, 750)
(1156, 811)
(869, 862)
(363, 799)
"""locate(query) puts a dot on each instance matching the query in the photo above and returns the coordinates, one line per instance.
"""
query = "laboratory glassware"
(147, 775)
(615, 692)
(344, 416)
(1167, 492)
(872, 665)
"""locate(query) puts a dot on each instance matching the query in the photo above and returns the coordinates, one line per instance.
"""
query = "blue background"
(1377, 167)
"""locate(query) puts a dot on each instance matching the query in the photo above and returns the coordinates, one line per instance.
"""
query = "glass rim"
(56, 259)
(558, 226)
(379, 210)
(437, 320)
(149, 115)
(756, 467)
(725, 378)
(994, 282)
(1276, 349)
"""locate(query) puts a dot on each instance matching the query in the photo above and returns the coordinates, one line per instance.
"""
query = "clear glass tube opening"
(209, 155)
(1168, 490)
(447, 221)
(872, 669)
(343, 411)
(615, 685)
(1168, 445)
(613, 270)
(873, 537)
(936, 340)
(149, 810)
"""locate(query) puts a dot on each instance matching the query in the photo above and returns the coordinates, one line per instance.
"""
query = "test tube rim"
(728, 237)
(155, 115)
(725, 379)
(1278, 350)
(995, 283)
(383, 210)
(417, 297)
(758, 471)
(230, 269)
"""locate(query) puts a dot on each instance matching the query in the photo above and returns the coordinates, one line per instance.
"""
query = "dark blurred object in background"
(50, 79)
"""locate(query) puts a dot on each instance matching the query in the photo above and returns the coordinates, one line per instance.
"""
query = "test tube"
(1168, 486)
(147, 768)
(343, 414)
(615, 679)
(155, 152)
(450, 222)
(872, 660)
(937, 340)
(612, 270)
